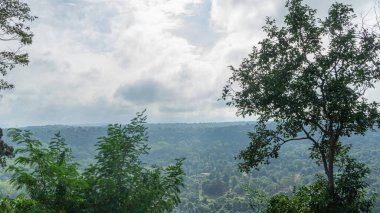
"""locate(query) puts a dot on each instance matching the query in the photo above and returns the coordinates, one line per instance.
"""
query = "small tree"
(308, 79)
(47, 174)
(120, 182)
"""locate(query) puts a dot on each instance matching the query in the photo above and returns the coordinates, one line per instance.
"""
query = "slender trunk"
(331, 142)
(330, 175)
(324, 160)
(328, 165)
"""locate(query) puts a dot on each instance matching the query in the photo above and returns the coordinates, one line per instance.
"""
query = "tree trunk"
(328, 165)
(330, 175)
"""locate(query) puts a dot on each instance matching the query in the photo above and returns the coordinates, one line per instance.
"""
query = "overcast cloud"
(100, 61)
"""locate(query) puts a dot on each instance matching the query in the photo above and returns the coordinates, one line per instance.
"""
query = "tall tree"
(14, 16)
(309, 79)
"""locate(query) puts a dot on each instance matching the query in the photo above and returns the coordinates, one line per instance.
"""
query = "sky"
(101, 61)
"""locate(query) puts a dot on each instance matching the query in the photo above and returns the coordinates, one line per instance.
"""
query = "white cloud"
(234, 16)
(100, 61)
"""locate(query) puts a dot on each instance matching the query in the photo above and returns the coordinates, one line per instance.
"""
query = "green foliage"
(47, 174)
(280, 204)
(120, 182)
(14, 15)
(21, 204)
(310, 78)
(351, 193)
(258, 199)
(311, 198)
(161, 194)
(351, 188)
(6, 151)
(214, 188)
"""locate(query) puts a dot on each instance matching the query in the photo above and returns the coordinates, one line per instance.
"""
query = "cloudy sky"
(100, 61)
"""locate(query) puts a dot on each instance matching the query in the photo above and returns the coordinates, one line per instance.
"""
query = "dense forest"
(213, 182)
